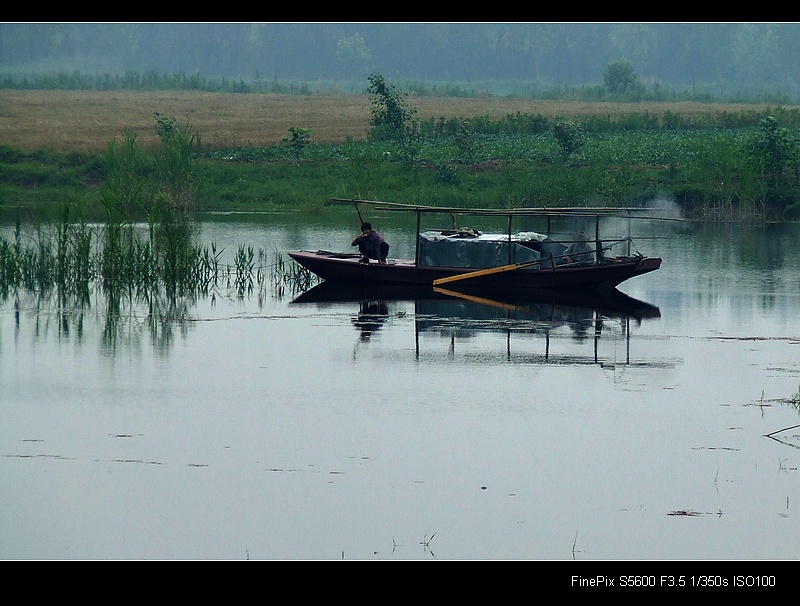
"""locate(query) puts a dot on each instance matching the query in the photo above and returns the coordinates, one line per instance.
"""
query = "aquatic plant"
(243, 265)
(73, 258)
(286, 276)
(174, 161)
(135, 262)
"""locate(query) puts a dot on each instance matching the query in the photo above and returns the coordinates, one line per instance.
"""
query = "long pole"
(360, 220)
(597, 246)
(416, 249)
(510, 218)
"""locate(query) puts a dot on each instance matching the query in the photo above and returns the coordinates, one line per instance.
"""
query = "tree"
(353, 52)
(773, 149)
(569, 136)
(619, 77)
(390, 111)
(297, 140)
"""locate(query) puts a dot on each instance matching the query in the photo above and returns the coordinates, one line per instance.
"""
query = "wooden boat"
(468, 260)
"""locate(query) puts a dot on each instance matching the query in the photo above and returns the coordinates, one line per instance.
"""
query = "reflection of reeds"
(75, 269)
(794, 401)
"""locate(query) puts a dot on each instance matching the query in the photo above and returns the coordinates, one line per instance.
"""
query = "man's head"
(365, 227)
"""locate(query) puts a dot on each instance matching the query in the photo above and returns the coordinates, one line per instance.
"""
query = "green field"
(717, 161)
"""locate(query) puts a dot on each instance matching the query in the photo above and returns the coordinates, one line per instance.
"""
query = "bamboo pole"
(484, 272)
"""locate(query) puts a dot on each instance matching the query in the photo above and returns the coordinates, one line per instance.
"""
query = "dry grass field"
(88, 120)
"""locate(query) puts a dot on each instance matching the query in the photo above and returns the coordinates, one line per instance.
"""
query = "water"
(258, 428)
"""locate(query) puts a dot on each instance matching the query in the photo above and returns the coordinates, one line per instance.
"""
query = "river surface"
(257, 427)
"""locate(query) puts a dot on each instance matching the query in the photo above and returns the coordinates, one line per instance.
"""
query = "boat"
(466, 259)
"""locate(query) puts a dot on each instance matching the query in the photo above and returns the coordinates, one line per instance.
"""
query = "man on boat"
(371, 244)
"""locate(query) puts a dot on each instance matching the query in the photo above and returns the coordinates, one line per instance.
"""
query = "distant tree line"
(724, 59)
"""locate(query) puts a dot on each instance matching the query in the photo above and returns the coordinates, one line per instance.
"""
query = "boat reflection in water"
(459, 316)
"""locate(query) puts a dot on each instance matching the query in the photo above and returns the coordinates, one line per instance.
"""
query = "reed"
(288, 277)
(243, 266)
(134, 262)
(76, 260)
(124, 258)
(174, 162)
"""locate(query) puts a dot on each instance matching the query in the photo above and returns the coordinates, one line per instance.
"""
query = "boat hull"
(596, 278)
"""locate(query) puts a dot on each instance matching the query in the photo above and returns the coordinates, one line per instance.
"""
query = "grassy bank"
(54, 148)
(707, 173)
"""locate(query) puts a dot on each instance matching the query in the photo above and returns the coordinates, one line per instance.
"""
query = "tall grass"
(75, 260)
(122, 257)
